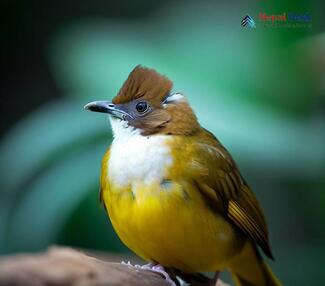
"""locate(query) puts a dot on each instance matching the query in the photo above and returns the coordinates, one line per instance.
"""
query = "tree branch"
(66, 266)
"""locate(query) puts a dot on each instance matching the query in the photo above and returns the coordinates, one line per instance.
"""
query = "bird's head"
(146, 104)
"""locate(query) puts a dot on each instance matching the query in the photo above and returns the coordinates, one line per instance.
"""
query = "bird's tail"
(249, 269)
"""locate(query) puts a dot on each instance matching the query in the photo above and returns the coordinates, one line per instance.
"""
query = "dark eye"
(141, 107)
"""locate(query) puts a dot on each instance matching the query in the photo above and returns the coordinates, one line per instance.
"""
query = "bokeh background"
(261, 91)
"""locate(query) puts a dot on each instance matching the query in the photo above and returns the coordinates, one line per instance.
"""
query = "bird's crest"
(144, 83)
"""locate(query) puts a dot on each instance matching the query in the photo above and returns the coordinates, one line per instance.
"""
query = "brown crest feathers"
(145, 83)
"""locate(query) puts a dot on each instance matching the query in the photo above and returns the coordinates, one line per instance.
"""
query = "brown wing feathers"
(245, 212)
(241, 208)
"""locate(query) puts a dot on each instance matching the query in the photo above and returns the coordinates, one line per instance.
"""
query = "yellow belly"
(171, 226)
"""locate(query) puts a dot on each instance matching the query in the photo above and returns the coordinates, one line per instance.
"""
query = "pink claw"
(157, 268)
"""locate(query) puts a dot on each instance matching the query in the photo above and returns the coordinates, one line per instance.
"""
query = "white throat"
(136, 158)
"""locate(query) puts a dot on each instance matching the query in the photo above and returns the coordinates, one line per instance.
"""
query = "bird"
(172, 191)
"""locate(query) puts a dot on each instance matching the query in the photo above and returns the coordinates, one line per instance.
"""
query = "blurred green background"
(261, 91)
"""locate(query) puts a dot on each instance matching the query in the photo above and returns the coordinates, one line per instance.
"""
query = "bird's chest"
(155, 215)
(138, 159)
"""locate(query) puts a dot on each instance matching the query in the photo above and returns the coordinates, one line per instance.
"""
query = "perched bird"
(173, 193)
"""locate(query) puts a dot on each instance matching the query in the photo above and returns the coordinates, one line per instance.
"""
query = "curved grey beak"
(106, 107)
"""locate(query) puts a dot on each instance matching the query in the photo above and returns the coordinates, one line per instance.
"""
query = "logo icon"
(248, 21)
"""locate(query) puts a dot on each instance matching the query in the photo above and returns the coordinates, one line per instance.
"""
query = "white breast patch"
(134, 157)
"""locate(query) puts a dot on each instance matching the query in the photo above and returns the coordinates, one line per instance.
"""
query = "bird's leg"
(157, 268)
(198, 279)
(214, 280)
(169, 276)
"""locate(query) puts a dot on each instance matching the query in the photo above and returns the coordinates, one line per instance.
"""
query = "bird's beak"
(106, 107)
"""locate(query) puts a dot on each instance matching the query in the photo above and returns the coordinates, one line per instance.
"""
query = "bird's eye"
(141, 107)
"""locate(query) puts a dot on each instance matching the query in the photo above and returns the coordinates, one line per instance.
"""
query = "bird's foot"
(154, 267)
(161, 270)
